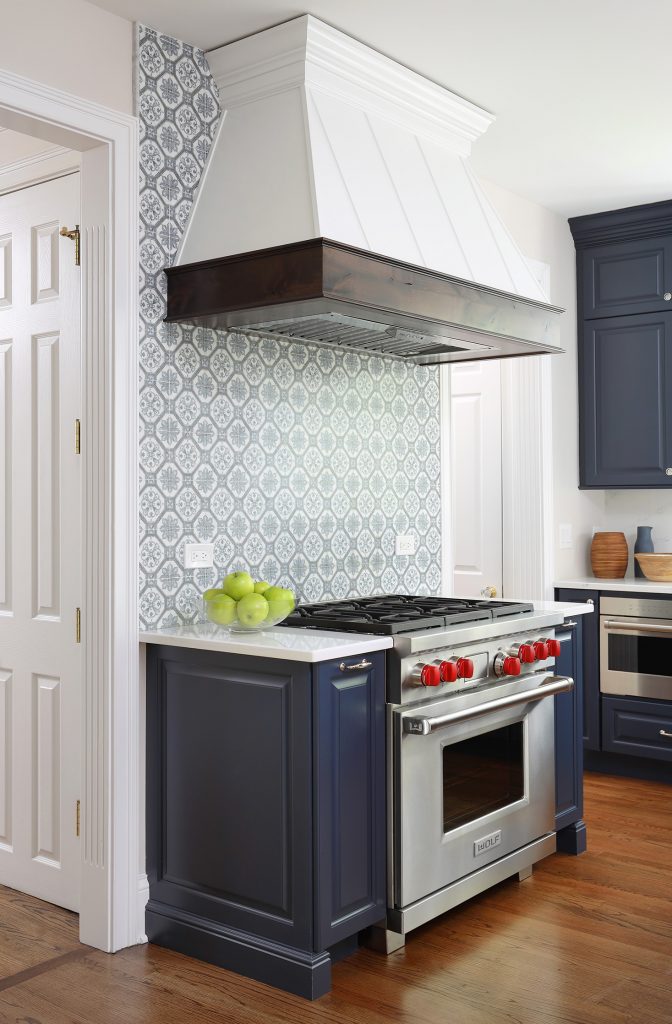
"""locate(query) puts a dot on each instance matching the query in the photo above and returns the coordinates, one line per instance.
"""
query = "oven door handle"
(422, 726)
(637, 627)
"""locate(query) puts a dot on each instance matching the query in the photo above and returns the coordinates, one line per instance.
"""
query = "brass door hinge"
(73, 234)
(78, 625)
(78, 820)
(78, 438)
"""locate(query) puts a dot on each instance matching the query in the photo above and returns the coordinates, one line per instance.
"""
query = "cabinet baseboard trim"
(293, 970)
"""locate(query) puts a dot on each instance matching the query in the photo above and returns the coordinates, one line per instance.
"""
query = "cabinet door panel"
(229, 817)
(625, 412)
(638, 726)
(350, 799)
(627, 277)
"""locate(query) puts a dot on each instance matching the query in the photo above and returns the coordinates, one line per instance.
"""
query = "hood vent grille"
(359, 335)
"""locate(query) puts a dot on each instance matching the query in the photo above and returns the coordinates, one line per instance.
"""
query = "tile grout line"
(43, 968)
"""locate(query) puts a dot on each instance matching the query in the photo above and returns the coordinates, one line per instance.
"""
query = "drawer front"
(639, 727)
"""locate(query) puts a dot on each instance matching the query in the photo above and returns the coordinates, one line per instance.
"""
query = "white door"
(476, 478)
(40, 555)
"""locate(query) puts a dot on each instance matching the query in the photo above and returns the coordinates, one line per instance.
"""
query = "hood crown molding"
(308, 52)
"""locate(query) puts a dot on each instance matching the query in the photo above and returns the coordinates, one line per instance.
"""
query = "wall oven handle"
(637, 626)
(422, 726)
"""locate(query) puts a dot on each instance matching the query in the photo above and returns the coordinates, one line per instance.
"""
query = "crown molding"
(306, 51)
(647, 221)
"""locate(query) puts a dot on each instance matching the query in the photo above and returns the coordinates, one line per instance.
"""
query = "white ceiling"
(580, 87)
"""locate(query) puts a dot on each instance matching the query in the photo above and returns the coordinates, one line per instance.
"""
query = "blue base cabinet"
(265, 811)
(569, 824)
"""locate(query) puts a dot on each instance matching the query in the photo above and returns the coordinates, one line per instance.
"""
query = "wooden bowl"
(656, 567)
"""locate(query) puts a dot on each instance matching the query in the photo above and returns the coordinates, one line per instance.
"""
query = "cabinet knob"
(667, 296)
(668, 471)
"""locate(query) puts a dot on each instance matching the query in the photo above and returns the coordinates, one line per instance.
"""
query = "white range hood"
(322, 137)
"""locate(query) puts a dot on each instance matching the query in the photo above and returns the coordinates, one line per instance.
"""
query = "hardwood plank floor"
(586, 940)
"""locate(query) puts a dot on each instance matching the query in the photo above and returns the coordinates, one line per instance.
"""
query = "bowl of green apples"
(246, 606)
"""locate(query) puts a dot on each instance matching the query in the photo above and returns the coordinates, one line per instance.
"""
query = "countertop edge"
(632, 584)
(345, 646)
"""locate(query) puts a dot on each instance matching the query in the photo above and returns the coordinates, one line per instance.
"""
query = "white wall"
(70, 45)
(545, 236)
(626, 510)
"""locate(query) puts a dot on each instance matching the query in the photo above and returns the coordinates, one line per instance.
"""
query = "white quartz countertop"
(630, 583)
(277, 642)
(568, 608)
(307, 645)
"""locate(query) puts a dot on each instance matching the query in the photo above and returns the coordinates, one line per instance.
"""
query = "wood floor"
(586, 940)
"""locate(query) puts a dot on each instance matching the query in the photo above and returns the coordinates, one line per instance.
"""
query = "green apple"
(212, 592)
(221, 609)
(261, 587)
(252, 609)
(280, 602)
(238, 584)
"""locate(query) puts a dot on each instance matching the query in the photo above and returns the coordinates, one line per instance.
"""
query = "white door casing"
(476, 477)
(40, 543)
(114, 886)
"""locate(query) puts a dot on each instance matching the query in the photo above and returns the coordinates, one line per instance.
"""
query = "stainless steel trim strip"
(424, 910)
(423, 726)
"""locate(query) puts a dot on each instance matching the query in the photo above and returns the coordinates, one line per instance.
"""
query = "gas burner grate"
(390, 614)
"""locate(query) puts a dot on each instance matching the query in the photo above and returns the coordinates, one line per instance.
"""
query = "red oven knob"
(554, 648)
(430, 675)
(506, 664)
(448, 670)
(541, 650)
(465, 668)
(526, 654)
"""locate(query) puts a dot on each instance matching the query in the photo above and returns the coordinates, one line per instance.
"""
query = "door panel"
(40, 530)
(628, 277)
(625, 411)
(476, 477)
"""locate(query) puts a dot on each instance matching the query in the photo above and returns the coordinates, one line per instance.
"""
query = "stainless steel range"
(471, 777)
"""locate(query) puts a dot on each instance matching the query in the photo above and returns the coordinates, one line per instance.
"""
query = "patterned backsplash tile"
(299, 462)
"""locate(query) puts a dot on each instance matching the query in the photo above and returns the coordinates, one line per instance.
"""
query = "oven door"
(473, 780)
(635, 656)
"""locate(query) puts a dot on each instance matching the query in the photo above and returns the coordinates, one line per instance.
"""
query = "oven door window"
(644, 655)
(482, 774)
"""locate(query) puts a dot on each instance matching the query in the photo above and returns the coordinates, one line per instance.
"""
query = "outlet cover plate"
(404, 544)
(199, 556)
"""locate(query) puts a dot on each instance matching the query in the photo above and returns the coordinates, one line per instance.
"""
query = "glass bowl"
(225, 617)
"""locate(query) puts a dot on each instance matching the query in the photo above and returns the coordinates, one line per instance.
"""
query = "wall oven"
(635, 647)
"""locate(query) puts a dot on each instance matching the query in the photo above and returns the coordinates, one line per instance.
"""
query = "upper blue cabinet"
(624, 299)
(627, 277)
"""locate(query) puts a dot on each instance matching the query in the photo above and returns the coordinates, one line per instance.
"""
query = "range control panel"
(445, 671)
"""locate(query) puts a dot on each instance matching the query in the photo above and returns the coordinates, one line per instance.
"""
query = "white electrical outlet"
(199, 556)
(565, 535)
(404, 544)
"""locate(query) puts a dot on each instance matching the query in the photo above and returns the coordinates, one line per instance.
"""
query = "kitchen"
(165, 585)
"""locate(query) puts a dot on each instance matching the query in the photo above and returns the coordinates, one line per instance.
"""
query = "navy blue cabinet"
(588, 651)
(569, 823)
(625, 365)
(626, 277)
(349, 759)
(624, 305)
(639, 727)
(265, 810)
